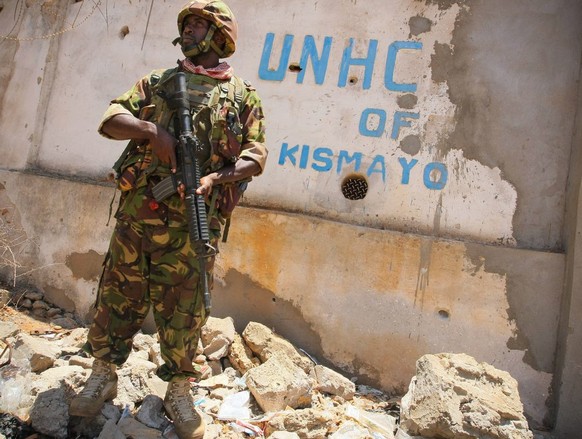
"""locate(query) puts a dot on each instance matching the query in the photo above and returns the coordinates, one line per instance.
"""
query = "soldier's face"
(195, 30)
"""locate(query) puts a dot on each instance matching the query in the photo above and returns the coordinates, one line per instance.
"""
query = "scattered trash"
(379, 423)
(235, 407)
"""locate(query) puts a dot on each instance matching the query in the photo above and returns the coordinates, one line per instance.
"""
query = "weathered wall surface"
(451, 122)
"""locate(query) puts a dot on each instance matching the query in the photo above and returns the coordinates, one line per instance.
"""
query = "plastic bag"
(235, 406)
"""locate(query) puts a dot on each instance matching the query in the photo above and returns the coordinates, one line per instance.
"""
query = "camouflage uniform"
(150, 259)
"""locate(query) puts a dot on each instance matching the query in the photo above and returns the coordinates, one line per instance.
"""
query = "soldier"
(151, 260)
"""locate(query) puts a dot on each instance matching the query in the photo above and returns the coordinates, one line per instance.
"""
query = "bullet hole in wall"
(295, 67)
(355, 187)
(353, 80)
(123, 32)
(444, 314)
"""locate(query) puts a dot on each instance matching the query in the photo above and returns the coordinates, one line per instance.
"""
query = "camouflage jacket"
(227, 118)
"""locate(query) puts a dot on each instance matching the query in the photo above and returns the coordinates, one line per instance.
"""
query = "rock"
(375, 422)
(4, 297)
(53, 312)
(217, 335)
(111, 431)
(350, 430)
(40, 304)
(143, 342)
(156, 355)
(307, 423)
(111, 412)
(25, 303)
(39, 312)
(50, 413)
(39, 353)
(71, 376)
(279, 383)
(135, 382)
(215, 367)
(77, 360)
(34, 295)
(330, 381)
(132, 428)
(75, 339)
(151, 413)
(7, 329)
(265, 344)
(284, 435)
(241, 356)
(453, 396)
(65, 322)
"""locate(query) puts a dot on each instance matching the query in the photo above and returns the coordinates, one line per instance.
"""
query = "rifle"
(188, 154)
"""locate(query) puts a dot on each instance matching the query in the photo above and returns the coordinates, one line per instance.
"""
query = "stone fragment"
(132, 428)
(7, 329)
(65, 322)
(329, 381)
(53, 312)
(39, 353)
(217, 335)
(279, 383)
(84, 362)
(75, 338)
(39, 312)
(265, 344)
(40, 304)
(50, 413)
(284, 435)
(156, 355)
(34, 295)
(306, 423)
(151, 413)
(350, 430)
(241, 356)
(4, 297)
(143, 342)
(25, 303)
(452, 396)
(111, 431)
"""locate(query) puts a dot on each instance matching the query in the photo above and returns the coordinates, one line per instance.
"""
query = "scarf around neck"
(222, 71)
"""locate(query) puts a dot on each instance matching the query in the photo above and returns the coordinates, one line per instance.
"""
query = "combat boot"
(100, 387)
(180, 406)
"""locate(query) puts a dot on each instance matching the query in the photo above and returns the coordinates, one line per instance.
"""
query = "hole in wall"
(123, 32)
(295, 67)
(444, 314)
(355, 187)
(353, 80)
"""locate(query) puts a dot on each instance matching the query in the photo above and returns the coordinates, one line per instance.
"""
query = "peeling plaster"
(419, 25)
(495, 109)
(528, 313)
(86, 266)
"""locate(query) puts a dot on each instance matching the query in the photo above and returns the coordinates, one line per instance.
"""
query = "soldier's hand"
(164, 146)
(182, 190)
(206, 185)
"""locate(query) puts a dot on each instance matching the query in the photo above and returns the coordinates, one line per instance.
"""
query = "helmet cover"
(221, 20)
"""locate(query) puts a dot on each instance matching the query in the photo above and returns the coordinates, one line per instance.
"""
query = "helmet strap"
(202, 47)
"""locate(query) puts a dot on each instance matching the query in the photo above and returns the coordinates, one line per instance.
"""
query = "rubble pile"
(257, 385)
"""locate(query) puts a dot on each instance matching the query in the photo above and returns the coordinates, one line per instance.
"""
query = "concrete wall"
(458, 117)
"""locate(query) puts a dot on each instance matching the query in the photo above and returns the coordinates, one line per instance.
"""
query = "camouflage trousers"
(150, 266)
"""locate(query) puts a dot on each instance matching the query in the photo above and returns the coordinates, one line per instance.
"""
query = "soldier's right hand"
(164, 146)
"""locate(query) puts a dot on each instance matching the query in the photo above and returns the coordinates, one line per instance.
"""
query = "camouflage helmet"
(221, 19)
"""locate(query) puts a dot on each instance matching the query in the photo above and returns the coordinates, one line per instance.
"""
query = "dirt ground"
(26, 322)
